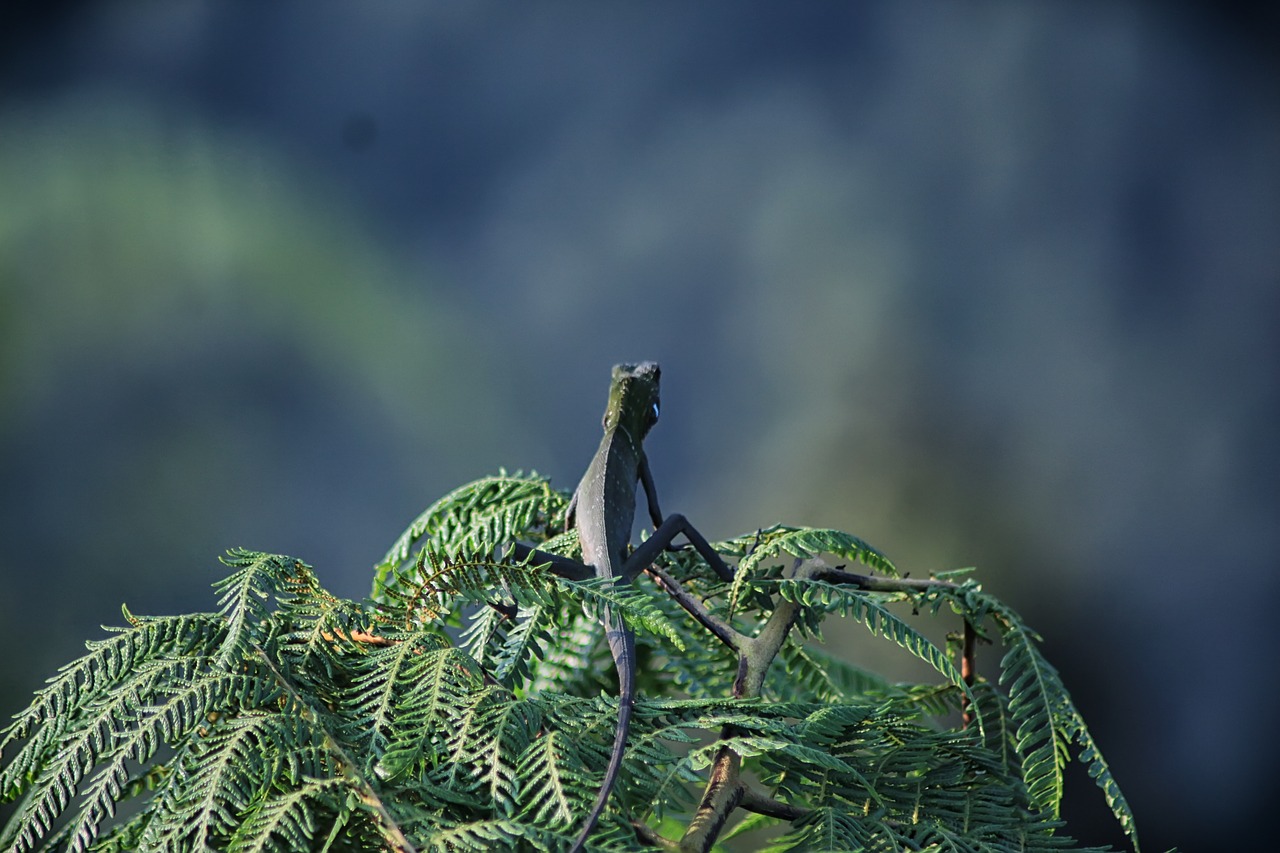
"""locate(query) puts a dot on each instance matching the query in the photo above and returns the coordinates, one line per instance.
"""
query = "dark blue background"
(990, 285)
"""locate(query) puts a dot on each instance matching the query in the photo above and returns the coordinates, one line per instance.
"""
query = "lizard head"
(633, 399)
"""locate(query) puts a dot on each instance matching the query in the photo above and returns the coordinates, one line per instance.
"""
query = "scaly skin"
(605, 504)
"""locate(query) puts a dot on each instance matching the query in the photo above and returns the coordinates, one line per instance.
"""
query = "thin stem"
(872, 583)
(755, 801)
(718, 627)
(649, 836)
(968, 671)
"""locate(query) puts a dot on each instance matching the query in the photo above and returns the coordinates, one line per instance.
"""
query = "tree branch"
(755, 801)
(718, 627)
(820, 571)
(649, 836)
(722, 796)
(968, 671)
(724, 792)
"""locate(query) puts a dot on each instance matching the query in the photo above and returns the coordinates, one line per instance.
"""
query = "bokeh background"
(994, 284)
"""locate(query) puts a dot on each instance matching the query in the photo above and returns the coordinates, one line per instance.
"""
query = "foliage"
(461, 708)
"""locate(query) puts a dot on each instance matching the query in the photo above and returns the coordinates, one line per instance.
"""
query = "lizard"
(603, 509)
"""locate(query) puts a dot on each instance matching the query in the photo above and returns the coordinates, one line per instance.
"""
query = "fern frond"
(222, 774)
(1100, 772)
(525, 642)
(696, 672)
(440, 584)
(288, 820)
(1035, 694)
(823, 829)
(658, 776)
(632, 604)
(487, 835)
(372, 695)
(554, 782)
(244, 595)
(133, 736)
(562, 664)
(407, 693)
(1047, 723)
(84, 741)
(86, 681)
(809, 674)
(483, 749)
(803, 542)
(998, 727)
(1044, 718)
(315, 625)
(866, 608)
(477, 517)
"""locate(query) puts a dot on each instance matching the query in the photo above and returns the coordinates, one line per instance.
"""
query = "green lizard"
(604, 504)
(603, 507)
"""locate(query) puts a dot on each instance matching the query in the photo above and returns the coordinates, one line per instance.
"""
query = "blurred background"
(992, 285)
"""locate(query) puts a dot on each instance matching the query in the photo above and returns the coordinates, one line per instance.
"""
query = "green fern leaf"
(561, 666)
(1100, 772)
(430, 694)
(810, 674)
(377, 686)
(495, 730)
(287, 821)
(633, 604)
(227, 770)
(865, 608)
(823, 829)
(164, 723)
(243, 599)
(524, 642)
(477, 517)
(49, 718)
(803, 543)
(1044, 717)
(487, 835)
(553, 781)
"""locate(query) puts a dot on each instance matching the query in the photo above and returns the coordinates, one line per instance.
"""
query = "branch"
(723, 795)
(357, 636)
(754, 801)
(724, 791)
(648, 836)
(968, 671)
(822, 572)
(722, 630)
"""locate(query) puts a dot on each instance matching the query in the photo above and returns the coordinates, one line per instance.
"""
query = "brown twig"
(755, 801)
(722, 630)
(968, 671)
(722, 796)
(724, 791)
(872, 583)
(647, 835)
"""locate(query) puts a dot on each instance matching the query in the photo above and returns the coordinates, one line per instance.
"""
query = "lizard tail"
(622, 643)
